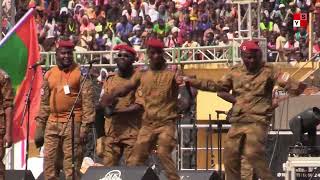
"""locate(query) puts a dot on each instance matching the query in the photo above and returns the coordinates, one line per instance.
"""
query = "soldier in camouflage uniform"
(246, 168)
(121, 129)
(159, 88)
(59, 91)
(6, 101)
(251, 84)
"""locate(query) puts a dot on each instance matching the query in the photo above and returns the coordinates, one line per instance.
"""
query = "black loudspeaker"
(18, 175)
(120, 173)
(61, 176)
(192, 175)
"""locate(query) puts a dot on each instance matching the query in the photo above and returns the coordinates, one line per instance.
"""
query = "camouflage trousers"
(247, 141)
(2, 152)
(113, 151)
(57, 146)
(164, 138)
(246, 169)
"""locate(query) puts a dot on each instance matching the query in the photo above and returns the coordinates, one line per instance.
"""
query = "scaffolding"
(245, 21)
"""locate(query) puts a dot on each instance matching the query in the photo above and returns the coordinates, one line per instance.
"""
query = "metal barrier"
(204, 54)
(199, 149)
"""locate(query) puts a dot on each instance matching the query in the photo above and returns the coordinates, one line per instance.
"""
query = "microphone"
(38, 63)
(221, 112)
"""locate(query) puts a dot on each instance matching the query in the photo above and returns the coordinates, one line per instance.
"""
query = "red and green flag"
(19, 49)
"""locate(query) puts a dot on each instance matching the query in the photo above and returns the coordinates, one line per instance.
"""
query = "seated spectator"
(280, 42)
(277, 24)
(194, 15)
(138, 24)
(101, 40)
(303, 49)
(185, 28)
(86, 25)
(210, 40)
(163, 14)
(171, 41)
(224, 41)
(226, 31)
(154, 14)
(292, 9)
(148, 24)
(72, 27)
(204, 23)
(136, 40)
(128, 12)
(123, 28)
(190, 41)
(86, 40)
(280, 13)
(112, 40)
(271, 49)
(290, 48)
(316, 49)
(301, 33)
(266, 24)
(161, 29)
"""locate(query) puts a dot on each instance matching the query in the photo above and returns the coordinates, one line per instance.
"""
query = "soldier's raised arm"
(284, 80)
(121, 91)
(224, 84)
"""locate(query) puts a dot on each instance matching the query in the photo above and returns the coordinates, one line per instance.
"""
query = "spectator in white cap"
(136, 40)
(64, 10)
(226, 30)
(280, 12)
(172, 40)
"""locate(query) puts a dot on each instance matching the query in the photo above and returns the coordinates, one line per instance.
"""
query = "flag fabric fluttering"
(19, 49)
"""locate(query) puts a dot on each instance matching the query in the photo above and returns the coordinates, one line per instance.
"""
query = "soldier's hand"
(7, 140)
(108, 111)
(83, 132)
(107, 100)
(39, 134)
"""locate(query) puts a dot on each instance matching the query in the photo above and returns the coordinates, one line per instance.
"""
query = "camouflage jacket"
(86, 101)
(253, 92)
(6, 96)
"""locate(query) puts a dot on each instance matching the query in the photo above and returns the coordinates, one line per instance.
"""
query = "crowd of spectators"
(102, 24)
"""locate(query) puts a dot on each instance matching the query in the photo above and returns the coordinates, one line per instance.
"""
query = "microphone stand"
(71, 117)
(207, 144)
(26, 109)
(179, 142)
(210, 139)
(219, 128)
(195, 146)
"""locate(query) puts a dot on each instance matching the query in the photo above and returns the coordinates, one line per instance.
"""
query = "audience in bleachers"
(102, 24)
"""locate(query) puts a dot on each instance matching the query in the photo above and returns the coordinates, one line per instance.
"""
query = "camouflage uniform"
(121, 130)
(54, 110)
(250, 117)
(6, 101)
(160, 94)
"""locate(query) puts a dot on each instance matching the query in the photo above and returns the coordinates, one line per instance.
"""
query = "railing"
(315, 65)
(195, 55)
(204, 54)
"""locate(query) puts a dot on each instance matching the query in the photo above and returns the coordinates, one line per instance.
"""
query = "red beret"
(249, 46)
(155, 43)
(65, 43)
(125, 48)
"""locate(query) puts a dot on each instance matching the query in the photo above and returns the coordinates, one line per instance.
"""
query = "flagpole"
(19, 23)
